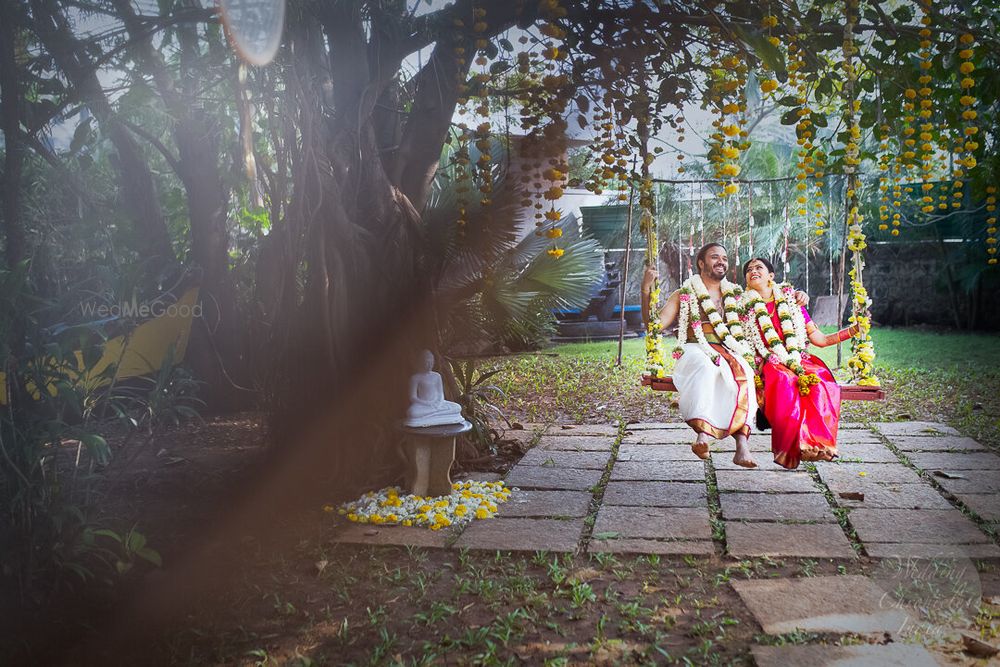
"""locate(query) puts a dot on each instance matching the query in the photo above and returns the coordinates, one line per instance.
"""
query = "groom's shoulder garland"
(766, 340)
(695, 301)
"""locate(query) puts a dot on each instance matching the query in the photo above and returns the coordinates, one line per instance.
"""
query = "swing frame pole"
(628, 253)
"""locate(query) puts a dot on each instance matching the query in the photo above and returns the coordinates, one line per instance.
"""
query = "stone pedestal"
(429, 452)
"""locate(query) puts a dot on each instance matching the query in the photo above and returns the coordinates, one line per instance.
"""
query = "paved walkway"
(903, 489)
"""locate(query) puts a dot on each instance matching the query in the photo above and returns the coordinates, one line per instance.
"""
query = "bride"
(800, 397)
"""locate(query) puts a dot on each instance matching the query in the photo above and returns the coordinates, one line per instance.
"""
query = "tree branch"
(156, 143)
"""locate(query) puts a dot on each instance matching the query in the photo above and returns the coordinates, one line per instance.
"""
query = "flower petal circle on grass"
(467, 501)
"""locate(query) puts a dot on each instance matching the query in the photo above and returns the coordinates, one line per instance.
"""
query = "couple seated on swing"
(739, 349)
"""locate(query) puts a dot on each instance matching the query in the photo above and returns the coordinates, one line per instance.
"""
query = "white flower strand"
(733, 339)
(765, 338)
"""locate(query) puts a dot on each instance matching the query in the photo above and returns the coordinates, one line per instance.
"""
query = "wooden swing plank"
(848, 392)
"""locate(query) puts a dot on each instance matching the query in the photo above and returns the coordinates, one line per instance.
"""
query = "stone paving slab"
(658, 470)
(972, 481)
(854, 426)
(861, 655)
(577, 443)
(357, 533)
(633, 452)
(673, 523)
(883, 473)
(914, 428)
(583, 429)
(835, 604)
(759, 444)
(564, 459)
(660, 437)
(650, 426)
(940, 443)
(541, 477)
(801, 540)
(915, 526)
(955, 461)
(765, 481)
(776, 507)
(867, 453)
(656, 494)
(516, 534)
(931, 551)
(662, 547)
(986, 505)
(724, 461)
(889, 496)
(856, 437)
(537, 503)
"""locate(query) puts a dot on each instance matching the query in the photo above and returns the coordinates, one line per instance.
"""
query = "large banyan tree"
(343, 136)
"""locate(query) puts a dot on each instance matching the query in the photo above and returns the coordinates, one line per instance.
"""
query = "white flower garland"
(766, 340)
(468, 501)
(696, 299)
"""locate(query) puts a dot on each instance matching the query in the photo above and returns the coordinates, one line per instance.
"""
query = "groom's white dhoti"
(716, 400)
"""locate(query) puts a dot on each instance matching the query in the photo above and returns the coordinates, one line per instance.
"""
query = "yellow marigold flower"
(968, 82)
(555, 252)
(769, 21)
(966, 68)
(730, 189)
(730, 130)
(553, 233)
(969, 114)
(769, 85)
(328, 508)
(482, 513)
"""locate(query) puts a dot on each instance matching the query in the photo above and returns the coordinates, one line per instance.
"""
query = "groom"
(716, 398)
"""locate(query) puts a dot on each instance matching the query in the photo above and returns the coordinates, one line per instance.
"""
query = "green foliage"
(495, 282)
(478, 401)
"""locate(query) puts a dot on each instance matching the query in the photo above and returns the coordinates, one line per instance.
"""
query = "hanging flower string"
(966, 143)
(468, 501)
(862, 350)
(655, 361)
(991, 224)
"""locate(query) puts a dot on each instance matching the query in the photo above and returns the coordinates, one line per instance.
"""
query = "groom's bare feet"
(700, 447)
(743, 457)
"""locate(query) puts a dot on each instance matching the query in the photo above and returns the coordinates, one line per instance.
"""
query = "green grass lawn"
(948, 377)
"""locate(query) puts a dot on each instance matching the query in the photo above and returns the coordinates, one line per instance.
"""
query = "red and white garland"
(695, 300)
(765, 338)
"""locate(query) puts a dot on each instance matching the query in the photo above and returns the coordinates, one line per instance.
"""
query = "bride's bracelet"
(844, 334)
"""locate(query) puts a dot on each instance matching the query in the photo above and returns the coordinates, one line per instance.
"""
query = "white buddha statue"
(428, 406)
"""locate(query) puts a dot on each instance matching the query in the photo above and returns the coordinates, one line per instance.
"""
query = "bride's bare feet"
(743, 457)
(700, 448)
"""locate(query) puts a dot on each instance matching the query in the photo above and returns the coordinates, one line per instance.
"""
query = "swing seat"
(848, 392)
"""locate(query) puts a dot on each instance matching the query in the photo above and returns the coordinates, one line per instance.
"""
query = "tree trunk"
(10, 117)
(138, 190)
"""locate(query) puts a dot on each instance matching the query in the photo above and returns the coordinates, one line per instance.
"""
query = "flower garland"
(862, 350)
(468, 501)
(695, 297)
(765, 338)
